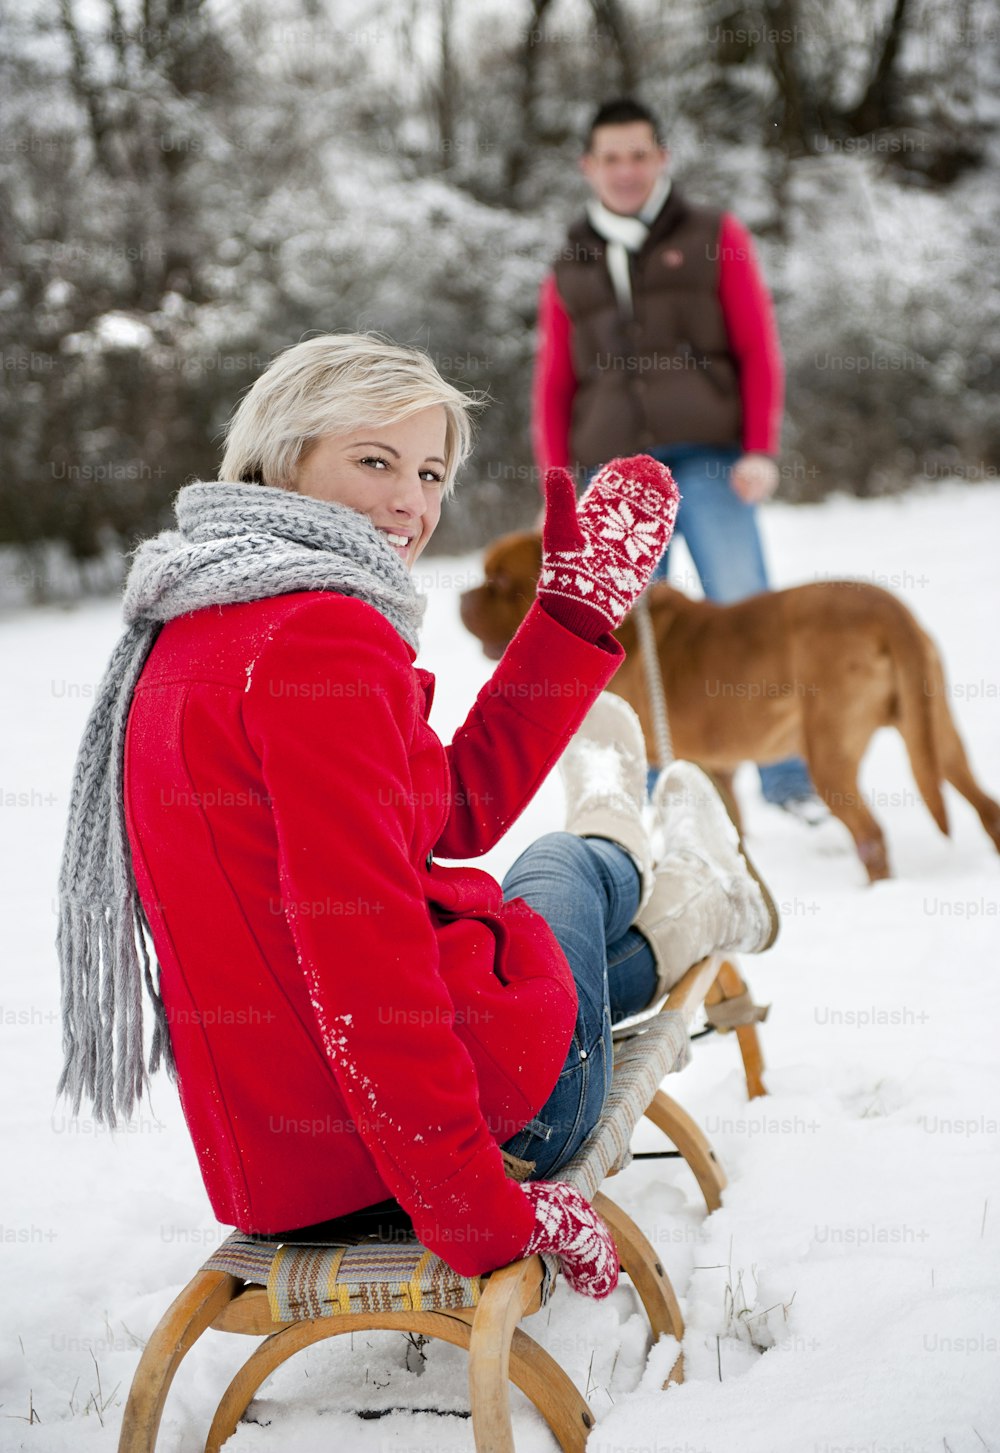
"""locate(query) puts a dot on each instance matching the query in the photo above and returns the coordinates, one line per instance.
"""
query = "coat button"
(430, 861)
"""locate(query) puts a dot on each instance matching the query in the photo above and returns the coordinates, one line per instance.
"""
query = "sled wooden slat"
(729, 985)
(500, 1351)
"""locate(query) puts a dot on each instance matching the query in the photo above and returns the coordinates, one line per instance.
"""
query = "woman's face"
(393, 473)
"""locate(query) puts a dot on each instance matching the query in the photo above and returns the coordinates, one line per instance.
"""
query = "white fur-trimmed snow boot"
(604, 774)
(707, 896)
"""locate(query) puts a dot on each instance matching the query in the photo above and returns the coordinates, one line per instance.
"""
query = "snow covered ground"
(846, 1296)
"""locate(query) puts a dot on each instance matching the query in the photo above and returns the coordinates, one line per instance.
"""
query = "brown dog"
(814, 671)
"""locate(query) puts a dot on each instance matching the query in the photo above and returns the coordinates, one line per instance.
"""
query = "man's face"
(623, 165)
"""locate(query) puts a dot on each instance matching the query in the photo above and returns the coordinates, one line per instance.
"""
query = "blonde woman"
(350, 1021)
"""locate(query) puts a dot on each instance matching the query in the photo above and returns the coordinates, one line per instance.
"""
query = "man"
(656, 333)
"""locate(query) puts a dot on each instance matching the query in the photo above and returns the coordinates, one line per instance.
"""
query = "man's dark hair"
(622, 111)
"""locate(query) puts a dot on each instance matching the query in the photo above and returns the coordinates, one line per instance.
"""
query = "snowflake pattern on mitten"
(567, 1225)
(603, 555)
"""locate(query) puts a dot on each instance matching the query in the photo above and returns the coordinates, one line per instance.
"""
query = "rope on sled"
(654, 682)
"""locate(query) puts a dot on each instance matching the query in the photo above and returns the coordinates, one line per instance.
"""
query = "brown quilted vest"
(667, 376)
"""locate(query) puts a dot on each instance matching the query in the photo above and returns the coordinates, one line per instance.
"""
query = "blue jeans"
(587, 890)
(721, 533)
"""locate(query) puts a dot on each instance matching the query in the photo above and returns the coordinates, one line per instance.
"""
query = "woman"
(350, 1020)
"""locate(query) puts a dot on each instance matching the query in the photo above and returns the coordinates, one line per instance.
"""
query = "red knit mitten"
(567, 1225)
(597, 557)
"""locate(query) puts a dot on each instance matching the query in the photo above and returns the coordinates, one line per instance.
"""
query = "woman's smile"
(393, 473)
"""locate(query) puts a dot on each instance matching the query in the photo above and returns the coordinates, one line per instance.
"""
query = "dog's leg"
(833, 754)
(838, 721)
(836, 781)
(952, 757)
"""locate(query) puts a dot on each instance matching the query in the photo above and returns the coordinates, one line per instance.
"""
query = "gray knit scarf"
(234, 542)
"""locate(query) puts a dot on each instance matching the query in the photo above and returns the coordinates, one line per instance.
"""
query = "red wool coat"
(350, 1019)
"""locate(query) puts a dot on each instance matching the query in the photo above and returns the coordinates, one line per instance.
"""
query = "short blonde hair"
(329, 385)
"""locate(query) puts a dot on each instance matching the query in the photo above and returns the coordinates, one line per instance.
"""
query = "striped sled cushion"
(390, 1271)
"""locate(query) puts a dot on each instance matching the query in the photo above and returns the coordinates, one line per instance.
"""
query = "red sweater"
(753, 342)
(350, 1020)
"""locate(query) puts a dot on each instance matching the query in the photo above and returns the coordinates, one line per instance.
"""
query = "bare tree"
(613, 21)
(528, 56)
(878, 108)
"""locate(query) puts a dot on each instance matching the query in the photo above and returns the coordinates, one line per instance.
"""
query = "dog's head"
(494, 610)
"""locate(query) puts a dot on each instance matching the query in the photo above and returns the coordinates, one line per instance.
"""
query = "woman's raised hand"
(567, 1225)
(597, 556)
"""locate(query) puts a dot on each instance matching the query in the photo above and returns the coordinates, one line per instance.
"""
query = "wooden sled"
(488, 1326)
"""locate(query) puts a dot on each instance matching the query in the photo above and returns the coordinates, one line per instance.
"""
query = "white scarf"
(624, 235)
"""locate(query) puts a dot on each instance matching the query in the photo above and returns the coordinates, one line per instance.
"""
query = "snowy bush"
(190, 188)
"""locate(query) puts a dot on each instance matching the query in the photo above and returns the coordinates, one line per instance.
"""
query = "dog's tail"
(918, 678)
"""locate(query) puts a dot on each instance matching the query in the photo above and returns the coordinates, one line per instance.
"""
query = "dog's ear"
(536, 555)
(514, 563)
(523, 558)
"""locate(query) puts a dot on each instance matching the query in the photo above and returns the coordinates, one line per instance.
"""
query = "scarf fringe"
(103, 1011)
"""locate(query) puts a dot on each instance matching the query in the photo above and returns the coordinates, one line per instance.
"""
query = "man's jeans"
(587, 890)
(721, 533)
